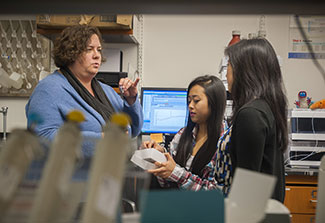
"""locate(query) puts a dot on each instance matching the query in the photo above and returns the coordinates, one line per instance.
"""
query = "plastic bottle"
(53, 190)
(235, 37)
(106, 173)
(21, 148)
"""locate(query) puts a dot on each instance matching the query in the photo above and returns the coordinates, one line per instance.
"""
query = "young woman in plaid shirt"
(193, 147)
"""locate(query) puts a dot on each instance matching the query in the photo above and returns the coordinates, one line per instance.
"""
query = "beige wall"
(179, 48)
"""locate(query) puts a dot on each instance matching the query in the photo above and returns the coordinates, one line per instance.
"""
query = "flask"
(235, 37)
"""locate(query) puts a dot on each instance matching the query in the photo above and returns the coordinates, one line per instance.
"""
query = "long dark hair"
(216, 95)
(257, 74)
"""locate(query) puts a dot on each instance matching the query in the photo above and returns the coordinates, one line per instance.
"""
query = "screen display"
(164, 109)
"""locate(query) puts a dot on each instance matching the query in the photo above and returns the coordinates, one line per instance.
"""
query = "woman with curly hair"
(78, 55)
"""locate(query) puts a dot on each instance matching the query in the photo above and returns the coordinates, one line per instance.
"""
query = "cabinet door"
(301, 199)
(303, 218)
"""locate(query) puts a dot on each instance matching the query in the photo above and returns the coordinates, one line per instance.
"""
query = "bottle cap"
(35, 118)
(236, 32)
(121, 119)
(76, 116)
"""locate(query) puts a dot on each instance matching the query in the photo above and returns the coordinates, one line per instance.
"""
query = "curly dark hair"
(72, 42)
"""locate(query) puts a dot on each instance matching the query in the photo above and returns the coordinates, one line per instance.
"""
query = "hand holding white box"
(146, 158)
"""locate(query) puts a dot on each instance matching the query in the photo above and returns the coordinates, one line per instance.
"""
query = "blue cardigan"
(54, 97)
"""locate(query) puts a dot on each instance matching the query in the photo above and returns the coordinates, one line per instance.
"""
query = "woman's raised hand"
(129, 89)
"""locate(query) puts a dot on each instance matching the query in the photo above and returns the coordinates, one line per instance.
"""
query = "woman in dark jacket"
(259, 134)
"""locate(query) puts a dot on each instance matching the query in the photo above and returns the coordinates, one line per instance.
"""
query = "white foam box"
(146, 158)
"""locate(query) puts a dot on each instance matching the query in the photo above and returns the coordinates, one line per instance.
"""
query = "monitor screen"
(164, 109)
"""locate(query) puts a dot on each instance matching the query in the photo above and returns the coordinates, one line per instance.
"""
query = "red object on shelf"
(235, 37)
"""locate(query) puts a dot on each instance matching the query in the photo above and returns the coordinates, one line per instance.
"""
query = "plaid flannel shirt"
(187, 180)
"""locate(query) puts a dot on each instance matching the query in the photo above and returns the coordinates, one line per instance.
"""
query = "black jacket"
(254, 145)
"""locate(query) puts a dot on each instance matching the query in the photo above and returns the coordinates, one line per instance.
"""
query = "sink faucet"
(4, 111)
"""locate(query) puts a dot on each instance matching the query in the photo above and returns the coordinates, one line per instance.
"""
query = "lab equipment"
(58, 170)
(15, 157)
(111, 78)
(106, 173)
(164, 109)
(4, 111)
(307, 138)
(261, 27)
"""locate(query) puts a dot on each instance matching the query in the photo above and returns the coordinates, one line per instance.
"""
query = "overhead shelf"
(109, 35)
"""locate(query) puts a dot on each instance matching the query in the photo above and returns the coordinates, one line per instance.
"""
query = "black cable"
(309, 46)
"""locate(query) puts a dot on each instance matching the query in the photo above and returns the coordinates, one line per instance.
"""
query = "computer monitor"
(164, 109)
